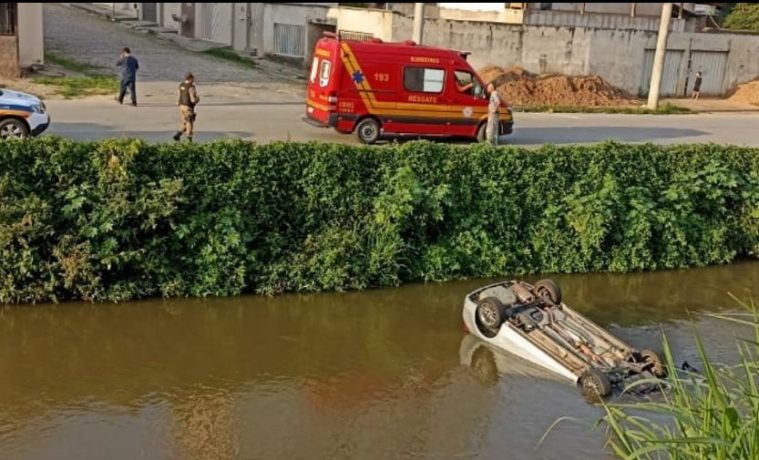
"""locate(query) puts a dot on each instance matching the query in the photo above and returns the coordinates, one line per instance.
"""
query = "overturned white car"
(531, 321)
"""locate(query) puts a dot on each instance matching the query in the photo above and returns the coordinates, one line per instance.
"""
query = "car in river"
(21, 115)
(532, 322)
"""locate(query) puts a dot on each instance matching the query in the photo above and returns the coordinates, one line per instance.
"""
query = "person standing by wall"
(129, 66)
(188, 98)
(493, 110)
(697, 86)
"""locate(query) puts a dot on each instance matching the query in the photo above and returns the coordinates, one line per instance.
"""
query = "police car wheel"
(368, 130)
(13, 129)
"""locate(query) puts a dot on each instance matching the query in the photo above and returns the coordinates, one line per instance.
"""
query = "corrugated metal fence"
(289, 40)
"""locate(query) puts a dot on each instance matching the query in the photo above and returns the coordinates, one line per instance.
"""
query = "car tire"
(11, 128)
(368, 130)
(490, 315)
(595, 383)
(658, 368)
(548, 289)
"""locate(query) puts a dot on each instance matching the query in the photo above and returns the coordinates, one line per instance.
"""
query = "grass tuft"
(92, 82)
(78, 86)
(230, 55)
(714, 414)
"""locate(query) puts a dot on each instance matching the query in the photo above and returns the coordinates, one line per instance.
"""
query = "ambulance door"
(422, 107)
(467, 104)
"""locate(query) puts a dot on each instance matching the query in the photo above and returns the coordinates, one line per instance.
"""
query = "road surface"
(266, 117)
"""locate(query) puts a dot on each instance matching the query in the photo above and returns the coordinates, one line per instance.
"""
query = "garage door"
(216, 21)
(672, 62)
(289, 40)
(712, 66)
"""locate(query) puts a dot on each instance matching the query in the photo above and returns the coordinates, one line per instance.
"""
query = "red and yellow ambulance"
(374, 88)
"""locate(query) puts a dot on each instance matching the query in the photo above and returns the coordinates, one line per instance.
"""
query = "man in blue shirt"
(129, 66)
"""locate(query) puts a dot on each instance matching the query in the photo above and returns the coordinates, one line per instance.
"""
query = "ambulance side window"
(314, 69)
(324, 73)
(466, 83)
(423, 79)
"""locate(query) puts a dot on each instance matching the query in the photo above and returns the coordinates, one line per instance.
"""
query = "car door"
(422, 108)
(466, 104)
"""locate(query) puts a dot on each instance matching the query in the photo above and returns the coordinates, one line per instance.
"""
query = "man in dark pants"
(129, 66)
(188, 99)
(697, 86)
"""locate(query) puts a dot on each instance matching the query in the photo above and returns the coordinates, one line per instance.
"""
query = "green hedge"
(121, 219)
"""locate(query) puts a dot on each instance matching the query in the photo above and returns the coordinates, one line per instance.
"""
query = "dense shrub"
(123, 219)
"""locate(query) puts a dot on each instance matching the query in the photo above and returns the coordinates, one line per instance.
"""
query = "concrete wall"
(615, 55)
(294, 14)
(9, 56)
(119, 7)
(641, 9)
(31, 48)
(378, 23)
(601, 21)
(508, 16)
(165, 11)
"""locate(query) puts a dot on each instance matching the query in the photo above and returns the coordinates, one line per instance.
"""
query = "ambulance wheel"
(368, 130)
(482, 132)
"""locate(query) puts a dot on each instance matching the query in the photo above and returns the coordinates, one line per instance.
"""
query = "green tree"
(744, 16)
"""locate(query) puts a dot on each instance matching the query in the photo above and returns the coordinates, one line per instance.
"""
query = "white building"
(21, 44)
(287, 30)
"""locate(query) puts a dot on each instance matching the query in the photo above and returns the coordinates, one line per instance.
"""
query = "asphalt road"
(268, 121)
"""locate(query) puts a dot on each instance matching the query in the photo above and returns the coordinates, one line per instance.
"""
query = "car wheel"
(549, 290)
(13, 129)
(657, 368)
(368, 130)
(595, 383)
(490, 314)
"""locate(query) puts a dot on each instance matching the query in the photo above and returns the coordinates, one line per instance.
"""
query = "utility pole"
(661, 48)
(418, 22)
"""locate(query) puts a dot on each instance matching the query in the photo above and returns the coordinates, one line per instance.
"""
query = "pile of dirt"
(747, 93)
(521, 88)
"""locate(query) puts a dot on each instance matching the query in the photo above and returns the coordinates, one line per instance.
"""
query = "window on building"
(289, 40)
(423, 80)
(8, 18)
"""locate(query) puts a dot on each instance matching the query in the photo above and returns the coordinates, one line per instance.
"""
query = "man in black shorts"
(697, 86)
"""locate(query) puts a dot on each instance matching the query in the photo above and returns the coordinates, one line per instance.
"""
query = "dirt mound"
(747, 93)
(519, 87)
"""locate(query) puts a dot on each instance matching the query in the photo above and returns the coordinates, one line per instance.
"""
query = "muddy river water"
(379, 374)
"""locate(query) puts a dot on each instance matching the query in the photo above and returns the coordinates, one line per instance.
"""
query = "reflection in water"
(204, 425)
(380, 374)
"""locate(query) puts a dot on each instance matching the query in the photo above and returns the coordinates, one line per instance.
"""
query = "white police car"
(21, 115)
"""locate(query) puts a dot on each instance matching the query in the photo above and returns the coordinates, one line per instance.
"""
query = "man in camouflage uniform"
(188, 98)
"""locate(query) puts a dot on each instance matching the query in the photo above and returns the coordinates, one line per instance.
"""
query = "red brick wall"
(9, 56)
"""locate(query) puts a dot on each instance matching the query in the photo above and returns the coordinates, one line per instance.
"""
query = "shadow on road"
(571, 135)
(93, 131)
(225, 104)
